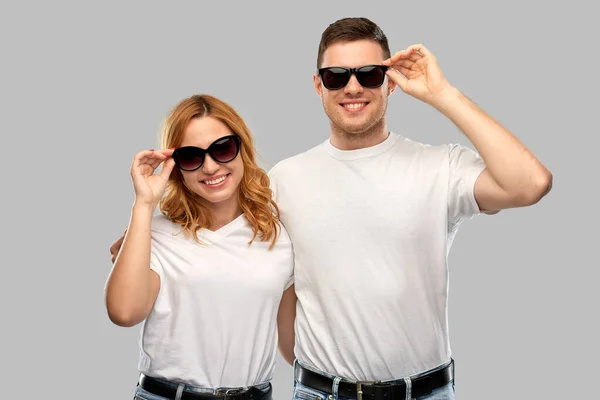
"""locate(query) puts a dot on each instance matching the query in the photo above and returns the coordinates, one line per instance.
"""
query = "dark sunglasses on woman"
(222, 150)
(369, 76)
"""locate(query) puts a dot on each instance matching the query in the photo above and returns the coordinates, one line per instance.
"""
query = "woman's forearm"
(130, 291)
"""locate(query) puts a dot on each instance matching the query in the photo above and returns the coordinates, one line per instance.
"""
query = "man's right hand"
(116, 246)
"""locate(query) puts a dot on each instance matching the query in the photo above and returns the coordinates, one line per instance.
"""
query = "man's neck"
(353, 141)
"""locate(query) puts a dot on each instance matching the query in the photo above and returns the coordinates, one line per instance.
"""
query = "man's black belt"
(368, 390)
(162, 389)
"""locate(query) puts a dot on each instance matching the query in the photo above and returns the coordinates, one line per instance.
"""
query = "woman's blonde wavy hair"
(183, 207)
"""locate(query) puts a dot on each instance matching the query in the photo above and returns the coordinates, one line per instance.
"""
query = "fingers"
(406, 63)
(420, 49)
(150, 158)
(402, 56)
(402, 60)
(116, 246)
(398, 78)
(404, 71)
(413, 53)
(167, 168)
(154, 154)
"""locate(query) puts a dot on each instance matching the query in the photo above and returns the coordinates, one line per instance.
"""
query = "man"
(372, 216)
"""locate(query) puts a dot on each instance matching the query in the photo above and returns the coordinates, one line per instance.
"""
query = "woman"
(207, 275)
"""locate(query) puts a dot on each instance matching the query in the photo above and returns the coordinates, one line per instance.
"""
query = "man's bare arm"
(286, 317)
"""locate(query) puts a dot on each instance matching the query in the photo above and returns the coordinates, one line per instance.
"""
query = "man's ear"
(391, 86)
(318, 84)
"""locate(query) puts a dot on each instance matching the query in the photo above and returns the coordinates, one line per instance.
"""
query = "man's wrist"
(446, 99)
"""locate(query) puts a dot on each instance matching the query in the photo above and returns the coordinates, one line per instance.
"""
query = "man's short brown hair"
(349, 30)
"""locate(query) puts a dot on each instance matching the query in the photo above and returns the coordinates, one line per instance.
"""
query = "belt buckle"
(359, 385)
(231, 391)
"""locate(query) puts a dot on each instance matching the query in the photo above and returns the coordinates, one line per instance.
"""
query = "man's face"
(354, 109)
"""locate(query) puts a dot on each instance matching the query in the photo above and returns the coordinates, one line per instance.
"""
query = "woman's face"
(217, 183)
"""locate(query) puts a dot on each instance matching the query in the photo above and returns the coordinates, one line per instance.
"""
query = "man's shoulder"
(293, 163)
(417, 146)
(444, 150)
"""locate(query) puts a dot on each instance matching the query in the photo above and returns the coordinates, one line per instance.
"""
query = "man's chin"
(355, 129)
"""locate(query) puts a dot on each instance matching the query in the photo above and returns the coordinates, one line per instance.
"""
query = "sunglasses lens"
(188, 158)
(225, 149)
(370, 76)
(335, 78)
(191, 158)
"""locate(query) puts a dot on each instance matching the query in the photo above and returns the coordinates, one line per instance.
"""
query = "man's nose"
(353, 87)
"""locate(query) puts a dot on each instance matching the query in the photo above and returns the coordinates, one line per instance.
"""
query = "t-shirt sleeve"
(292, 260)
(273, 182)
(155, 264)
(289, 283)
(273, 185)
(465, 167)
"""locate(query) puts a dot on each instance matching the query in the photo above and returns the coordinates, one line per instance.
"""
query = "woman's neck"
(223, 213)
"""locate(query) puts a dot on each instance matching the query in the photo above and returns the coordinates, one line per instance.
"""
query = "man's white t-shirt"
(214, 322)
(371, 230)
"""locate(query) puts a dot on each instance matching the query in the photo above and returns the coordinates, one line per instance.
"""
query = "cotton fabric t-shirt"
(371, 230)
(214, 322)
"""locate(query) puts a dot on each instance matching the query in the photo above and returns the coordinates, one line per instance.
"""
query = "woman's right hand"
(149, 187)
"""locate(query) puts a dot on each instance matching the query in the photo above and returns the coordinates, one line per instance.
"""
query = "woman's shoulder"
(161, 224)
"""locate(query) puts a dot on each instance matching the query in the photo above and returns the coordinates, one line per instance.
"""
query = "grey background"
(84, 87)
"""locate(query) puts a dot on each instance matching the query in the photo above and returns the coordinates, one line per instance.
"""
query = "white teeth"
(218, 180)
(354, 105)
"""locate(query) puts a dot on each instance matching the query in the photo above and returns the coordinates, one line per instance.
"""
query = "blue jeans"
(141, 394)
(303, 392)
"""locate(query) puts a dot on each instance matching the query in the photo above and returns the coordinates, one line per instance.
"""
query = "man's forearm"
(514, 168)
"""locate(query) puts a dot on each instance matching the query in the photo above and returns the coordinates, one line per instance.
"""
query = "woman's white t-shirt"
(214, 322)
